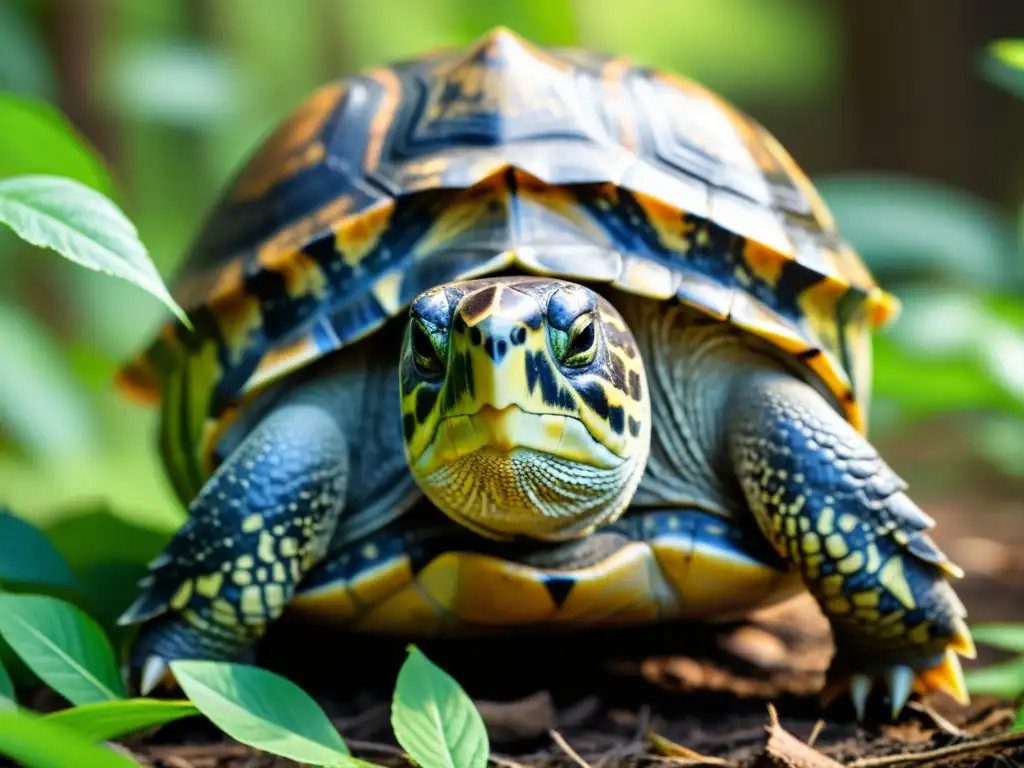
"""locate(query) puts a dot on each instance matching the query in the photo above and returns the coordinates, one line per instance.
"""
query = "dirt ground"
(742, 695)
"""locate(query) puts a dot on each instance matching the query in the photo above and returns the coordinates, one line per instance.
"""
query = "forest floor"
(741, 695)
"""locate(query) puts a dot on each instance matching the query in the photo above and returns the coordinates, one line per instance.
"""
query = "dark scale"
(540, 373)
(635, 387)
(460, 380)
(593, 395)
(617, 419)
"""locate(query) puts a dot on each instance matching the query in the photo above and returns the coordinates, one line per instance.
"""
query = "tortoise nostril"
(495, 349)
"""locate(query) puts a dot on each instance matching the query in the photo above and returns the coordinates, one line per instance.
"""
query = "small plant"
(1006, 679)
(433, 718)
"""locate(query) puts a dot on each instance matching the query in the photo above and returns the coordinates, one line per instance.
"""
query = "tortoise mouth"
(501, 493)
(502, 431)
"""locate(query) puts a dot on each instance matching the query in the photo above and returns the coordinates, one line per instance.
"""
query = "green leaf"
(38, 139)
(83, 226)
(434, 719)
(1002, 64)
(1007, 636)
(109, 554)
(912, 229)
(28, 557)
(7, 700)
(1010, 51)
(106, 720)
(33, 742)
(63, 646)
(263, 710)
(1005, 680)
(1018, 724)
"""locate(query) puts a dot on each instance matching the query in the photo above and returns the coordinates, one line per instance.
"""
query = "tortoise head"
(525, 406)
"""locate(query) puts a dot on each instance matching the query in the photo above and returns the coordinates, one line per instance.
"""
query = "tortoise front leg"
(835, 510)
(261, 522)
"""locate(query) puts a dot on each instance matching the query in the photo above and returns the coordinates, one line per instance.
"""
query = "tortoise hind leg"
(260, 523)
(831, 506)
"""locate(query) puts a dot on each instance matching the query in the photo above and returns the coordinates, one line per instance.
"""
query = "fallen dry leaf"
(784, 749)
(669, 748)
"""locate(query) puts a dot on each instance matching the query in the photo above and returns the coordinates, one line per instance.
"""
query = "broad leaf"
(1002, 63)
(109, 554)
(1005, 680)
(1010, 51)
(33, 742)
(63, 646)
(28, 557)
(83, 226)
(1007, 636)
(7, 700)
(434, 719)
(263, 710)
(113, 719)
(912, 229)
(38, 139)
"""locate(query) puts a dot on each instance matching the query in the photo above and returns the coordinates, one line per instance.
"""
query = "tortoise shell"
(500, 156)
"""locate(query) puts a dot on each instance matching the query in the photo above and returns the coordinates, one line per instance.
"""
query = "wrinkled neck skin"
(692, 363)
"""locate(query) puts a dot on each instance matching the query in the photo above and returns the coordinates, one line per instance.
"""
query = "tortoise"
(505, 337)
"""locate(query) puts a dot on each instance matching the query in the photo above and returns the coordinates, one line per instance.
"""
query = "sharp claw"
(153, 672)
(901, 680)
(963, 643)
(860, 689)
(948, 677)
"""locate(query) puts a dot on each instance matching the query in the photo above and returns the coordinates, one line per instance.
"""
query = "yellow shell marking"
(292, 147)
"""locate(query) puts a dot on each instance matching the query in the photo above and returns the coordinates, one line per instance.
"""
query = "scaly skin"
(262, 520)
(836, 511)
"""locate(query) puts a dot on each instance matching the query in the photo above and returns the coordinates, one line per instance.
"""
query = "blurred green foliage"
(180, 92)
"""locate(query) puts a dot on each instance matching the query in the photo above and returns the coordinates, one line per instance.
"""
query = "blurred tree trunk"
(916, 100)
(75, 34)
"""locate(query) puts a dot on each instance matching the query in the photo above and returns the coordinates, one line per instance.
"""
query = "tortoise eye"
(424, 352)
(582, 342)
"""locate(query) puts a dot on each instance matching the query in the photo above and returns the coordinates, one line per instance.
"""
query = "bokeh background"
(914, 133)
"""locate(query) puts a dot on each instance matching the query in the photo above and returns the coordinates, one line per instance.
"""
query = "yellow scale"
(673, 574)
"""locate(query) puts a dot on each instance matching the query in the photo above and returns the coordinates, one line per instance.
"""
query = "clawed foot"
(170, 638)
(899, 681)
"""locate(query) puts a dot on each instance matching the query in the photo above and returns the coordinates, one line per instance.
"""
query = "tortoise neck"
(692, 362)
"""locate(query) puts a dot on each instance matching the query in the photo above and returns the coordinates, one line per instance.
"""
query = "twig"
(940, 722)
(505, 762)
(375, 747)
(815, 732)
(198, 751)
(564, 746)
(643, 719)
(1000, 741)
